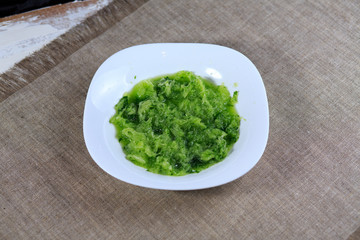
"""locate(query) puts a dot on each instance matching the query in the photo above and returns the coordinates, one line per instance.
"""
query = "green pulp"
(176, 124)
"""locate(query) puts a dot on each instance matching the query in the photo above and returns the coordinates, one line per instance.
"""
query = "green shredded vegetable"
(176, 124)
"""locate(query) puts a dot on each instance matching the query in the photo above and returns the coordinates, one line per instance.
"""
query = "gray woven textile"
(306, 185)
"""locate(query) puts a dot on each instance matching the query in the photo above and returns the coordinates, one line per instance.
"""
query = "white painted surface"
(21, 38)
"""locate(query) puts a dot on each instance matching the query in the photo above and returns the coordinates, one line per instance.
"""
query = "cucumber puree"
(176, 124)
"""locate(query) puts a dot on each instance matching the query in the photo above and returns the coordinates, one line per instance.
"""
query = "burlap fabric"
(306, 185)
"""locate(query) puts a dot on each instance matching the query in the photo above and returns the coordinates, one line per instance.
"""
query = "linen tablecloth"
(306, 185)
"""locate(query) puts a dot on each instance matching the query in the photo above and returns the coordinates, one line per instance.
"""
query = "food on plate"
(177, 124)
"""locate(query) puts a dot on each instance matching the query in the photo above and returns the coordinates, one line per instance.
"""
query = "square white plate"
(119, 73)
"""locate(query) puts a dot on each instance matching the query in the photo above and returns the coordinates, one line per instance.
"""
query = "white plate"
(224, 65)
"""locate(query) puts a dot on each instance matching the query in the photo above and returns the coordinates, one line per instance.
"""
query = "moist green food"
(176, 124)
